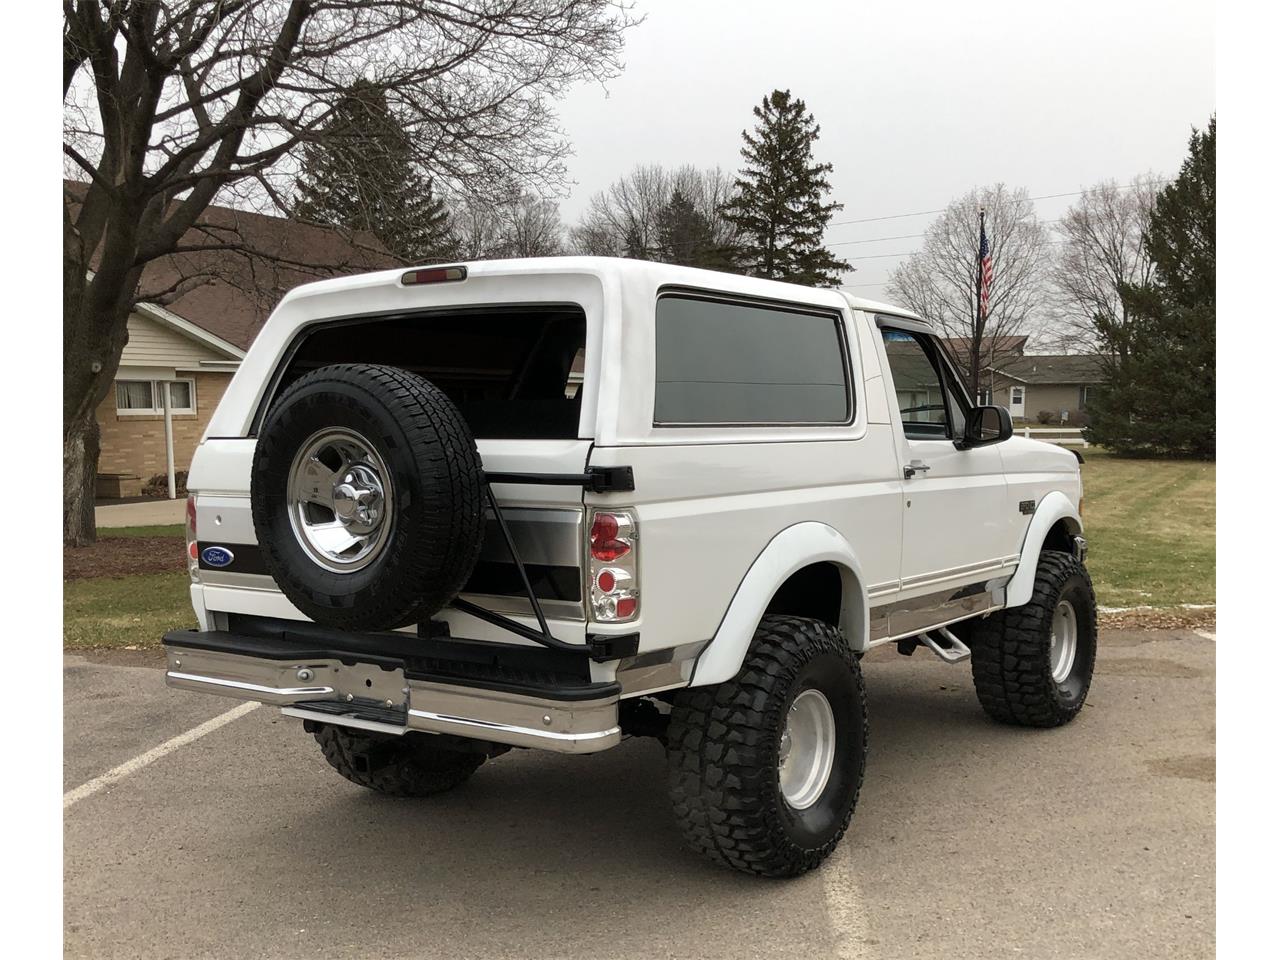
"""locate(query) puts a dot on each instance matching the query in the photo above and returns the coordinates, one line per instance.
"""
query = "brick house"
(190, 347)
(165, 352)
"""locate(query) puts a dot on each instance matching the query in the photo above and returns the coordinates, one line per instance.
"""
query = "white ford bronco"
(448, 511)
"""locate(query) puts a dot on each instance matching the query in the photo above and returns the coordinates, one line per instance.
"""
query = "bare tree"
(523, 226)
(532, 228)
(625, 219)
(1102, 251)
(171, 103)
(940, 282)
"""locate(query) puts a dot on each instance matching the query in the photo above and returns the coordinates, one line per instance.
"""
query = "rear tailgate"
(546, 522)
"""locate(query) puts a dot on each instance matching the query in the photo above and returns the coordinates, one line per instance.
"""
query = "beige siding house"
(167, 360)
(1047, 388)
(185, 352)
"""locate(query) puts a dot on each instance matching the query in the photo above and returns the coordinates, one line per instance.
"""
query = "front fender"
(792, 549)
(1054, 507)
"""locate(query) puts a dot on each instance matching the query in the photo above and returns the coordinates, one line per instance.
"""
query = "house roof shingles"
(230, 292)
(1060, 368)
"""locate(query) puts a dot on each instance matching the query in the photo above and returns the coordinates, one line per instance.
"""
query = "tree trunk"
(95, 328)
(79, 471)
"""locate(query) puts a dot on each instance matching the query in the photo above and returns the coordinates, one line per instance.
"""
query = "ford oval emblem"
(217, 556)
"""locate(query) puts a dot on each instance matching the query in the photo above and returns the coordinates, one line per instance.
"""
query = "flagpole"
(978, 324)
(982, 226)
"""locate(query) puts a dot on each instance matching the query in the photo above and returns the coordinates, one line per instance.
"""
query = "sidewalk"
(148, 513)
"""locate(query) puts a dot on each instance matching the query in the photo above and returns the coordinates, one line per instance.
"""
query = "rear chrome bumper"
(374, 692)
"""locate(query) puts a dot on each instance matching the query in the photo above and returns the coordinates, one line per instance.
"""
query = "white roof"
(611, 268)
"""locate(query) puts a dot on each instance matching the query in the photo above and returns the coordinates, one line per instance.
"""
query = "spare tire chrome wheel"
(340, 500)
(367, 494)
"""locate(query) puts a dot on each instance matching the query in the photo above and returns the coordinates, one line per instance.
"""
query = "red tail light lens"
(606, 544)
(614, 583)
(193, 554)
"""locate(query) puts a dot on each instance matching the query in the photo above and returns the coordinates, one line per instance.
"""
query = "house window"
(1015, 396)
(1084, 397)
(147, 396)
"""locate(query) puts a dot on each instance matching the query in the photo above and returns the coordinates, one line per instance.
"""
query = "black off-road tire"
(408, 766)
(723, 752)
(437, 521)
(1010, 649)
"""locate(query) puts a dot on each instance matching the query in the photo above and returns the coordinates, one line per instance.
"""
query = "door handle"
(914, 467)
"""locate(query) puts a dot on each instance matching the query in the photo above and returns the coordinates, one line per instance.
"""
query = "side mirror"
(986, 425)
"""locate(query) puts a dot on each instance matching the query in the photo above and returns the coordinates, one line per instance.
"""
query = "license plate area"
(365, 683)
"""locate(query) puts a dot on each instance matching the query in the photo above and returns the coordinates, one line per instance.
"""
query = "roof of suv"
(618, 267)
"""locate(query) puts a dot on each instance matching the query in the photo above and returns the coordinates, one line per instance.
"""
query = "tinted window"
(922, 401)
(720, 362)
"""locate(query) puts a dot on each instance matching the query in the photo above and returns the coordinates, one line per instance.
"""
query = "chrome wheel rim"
(1062, 646)
(807, 751)
(340, 500)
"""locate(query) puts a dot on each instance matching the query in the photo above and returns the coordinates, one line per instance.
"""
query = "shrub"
(158, 485)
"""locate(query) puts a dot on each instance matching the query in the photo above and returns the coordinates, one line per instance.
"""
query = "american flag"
(984, 266)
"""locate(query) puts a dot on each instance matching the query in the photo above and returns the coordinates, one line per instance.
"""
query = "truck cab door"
(955, 527)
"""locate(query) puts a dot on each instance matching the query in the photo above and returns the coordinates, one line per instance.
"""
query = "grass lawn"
(1151, 530)
(156, 530)
(125, 611)
(1150, 525)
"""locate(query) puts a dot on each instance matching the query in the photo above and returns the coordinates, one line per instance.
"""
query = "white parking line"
(846, 911)
(155, 753)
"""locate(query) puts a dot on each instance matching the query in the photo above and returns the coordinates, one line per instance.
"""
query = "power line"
(905, 236)
(925, 213)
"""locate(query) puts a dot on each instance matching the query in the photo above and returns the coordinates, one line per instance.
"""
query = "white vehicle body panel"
(726, 513)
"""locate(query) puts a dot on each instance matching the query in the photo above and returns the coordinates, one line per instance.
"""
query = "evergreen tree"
(360, 175)
(778, 204)
(1159, 398)
(686, 236)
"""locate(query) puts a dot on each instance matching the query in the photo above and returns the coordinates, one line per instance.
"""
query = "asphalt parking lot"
(970, 839)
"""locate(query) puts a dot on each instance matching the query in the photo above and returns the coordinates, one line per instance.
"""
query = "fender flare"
(1054, 507)
(790, 550)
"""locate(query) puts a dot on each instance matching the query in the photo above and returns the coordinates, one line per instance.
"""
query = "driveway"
(970, 840)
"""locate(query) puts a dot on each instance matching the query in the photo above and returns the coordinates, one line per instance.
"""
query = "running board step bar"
(949, 650)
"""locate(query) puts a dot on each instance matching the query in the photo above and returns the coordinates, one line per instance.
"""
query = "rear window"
(513, 372)
(730, 362)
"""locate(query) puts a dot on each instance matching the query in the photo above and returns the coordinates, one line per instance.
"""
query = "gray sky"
(918, 101)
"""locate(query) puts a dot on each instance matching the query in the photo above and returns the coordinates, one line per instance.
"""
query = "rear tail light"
(193, 549)
(615, 592)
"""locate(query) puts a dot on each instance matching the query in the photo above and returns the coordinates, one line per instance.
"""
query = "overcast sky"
(918, 101)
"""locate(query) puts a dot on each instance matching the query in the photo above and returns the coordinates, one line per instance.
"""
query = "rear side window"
(730, 362)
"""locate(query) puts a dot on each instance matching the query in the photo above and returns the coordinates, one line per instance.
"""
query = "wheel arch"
(1052, 526)
(791, 575)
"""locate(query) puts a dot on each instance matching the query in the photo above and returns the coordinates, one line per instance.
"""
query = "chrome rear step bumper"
(383, 694)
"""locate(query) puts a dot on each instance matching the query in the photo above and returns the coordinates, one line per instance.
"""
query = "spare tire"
(367, 497)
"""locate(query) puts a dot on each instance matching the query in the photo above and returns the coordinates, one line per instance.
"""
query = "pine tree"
(1159, 398)
(361, 176)
(778, 204)
(686, 236)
